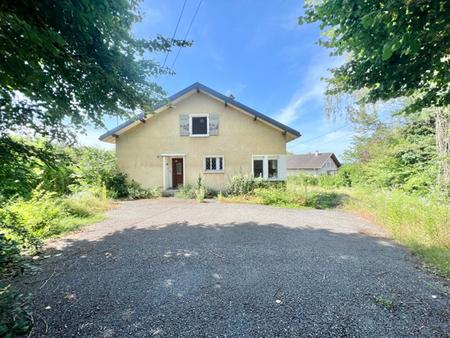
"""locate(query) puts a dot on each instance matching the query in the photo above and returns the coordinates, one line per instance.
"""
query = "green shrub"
(186, 192)
(116, 184)
(36, 216)
(200, 194)
(244, 185)
(45, 215)
(300, 197)
(135, 191)
(14, 313)
(15, 319)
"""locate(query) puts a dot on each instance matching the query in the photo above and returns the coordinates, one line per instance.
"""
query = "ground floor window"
(273, 168)
(266, 166)
(213, 164)
(258, 170)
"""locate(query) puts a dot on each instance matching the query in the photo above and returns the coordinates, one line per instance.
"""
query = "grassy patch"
(72, 223)
(244, 199)
(290, 198)
(421, 224)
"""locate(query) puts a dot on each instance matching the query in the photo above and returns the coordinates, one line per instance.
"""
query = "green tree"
(65, 64)
(396, 48)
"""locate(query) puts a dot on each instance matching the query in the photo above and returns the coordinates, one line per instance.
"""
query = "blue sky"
(256, 51)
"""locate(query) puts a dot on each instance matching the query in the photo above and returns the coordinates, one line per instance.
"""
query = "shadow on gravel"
(236, 280)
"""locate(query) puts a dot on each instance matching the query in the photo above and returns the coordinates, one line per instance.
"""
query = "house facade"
(312, 164)
(200, 133)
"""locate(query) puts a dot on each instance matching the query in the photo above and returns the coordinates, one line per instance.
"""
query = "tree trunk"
(443, 149)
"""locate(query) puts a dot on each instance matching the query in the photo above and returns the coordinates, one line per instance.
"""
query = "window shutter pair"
(213, 124)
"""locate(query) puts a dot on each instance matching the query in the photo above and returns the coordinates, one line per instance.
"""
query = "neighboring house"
(200, 133)
(313, 164)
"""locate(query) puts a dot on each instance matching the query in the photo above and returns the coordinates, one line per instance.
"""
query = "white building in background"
(312, 164)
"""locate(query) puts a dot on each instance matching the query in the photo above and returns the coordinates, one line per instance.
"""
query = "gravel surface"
(169, 267)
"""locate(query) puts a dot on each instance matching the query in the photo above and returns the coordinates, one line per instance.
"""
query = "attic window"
(199, 125)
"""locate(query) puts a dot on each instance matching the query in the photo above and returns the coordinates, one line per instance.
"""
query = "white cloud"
(311, 87)
(292, 112)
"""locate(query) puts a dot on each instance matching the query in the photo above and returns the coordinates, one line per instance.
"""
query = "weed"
(389, 303)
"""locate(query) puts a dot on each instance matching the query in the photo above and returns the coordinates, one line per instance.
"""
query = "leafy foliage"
(15, 319)
(66, 170)
(243, 185)
(395, 48)
(401, 155)
(199, 192)
(65, 64)
(25, 164)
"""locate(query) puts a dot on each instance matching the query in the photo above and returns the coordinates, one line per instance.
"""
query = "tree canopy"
(65, 64)
(395, 48)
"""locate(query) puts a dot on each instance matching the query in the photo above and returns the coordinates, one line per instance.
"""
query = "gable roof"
(197, 86)
(310, 160)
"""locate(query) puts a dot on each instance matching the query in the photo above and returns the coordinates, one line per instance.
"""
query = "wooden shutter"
(184, 125)
(213, 124)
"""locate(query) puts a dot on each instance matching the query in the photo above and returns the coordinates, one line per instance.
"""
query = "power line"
(188, 31)
(330, 132)
(176, 29)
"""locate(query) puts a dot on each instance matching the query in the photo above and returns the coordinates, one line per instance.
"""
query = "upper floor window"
(199, 125)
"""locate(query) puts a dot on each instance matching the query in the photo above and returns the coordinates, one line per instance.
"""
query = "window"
(269, 167)
(199, 125)
(273, 168)
(214, 164)
(258, 168)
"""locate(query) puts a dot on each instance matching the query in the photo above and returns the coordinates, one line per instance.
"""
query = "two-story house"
(200, 132)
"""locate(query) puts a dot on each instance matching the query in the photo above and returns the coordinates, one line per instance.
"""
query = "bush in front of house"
(244, 185)
(200, 192)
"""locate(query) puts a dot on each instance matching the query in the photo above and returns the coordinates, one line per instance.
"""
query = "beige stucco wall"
(240, 137)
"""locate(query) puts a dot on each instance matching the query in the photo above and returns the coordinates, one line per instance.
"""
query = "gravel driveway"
(168, 267)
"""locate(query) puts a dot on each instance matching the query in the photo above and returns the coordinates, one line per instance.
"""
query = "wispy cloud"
(292, 111)
(311, 88)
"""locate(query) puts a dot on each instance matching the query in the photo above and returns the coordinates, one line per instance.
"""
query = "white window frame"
(261, 158)
(217, 171)
(190, 125)
(278, 168)
(265, 159)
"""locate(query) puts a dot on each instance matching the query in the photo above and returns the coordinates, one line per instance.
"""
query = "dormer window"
(199, 125)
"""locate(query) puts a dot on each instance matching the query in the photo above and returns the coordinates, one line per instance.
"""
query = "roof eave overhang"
(112, 134)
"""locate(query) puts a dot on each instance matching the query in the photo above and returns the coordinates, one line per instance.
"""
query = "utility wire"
(188, 31)
(176, 29)
(319, 136)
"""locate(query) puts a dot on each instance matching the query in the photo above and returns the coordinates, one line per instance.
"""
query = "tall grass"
(46, 214)
(421, 224)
